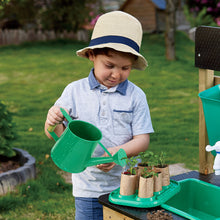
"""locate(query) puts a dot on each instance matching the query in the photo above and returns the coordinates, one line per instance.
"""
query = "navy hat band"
(115, 39)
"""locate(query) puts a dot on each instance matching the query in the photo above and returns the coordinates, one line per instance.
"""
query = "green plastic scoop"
(73, 150)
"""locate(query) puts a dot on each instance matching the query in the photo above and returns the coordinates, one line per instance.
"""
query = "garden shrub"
(57, 15)
(7, 134)
(203, 12)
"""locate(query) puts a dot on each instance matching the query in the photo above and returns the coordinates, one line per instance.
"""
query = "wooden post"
(206, 159)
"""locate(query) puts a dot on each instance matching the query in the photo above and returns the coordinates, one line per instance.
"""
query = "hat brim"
(140, 63)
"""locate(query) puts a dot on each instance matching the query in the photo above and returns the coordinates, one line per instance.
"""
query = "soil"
(7, 164)
(159, 214)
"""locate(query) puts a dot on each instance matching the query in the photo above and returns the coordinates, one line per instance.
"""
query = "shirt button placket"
(103, 112)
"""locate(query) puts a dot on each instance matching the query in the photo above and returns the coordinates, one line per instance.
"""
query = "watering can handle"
(104, 148)
(52, 127)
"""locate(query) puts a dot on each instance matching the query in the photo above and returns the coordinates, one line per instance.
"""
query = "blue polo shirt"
(120, 112)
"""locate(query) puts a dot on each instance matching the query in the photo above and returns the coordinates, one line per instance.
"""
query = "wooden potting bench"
(207, 59)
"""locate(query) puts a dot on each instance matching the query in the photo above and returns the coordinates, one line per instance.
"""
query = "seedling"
(131, 162)
(161, 159)
(147, 158)
(145, 173)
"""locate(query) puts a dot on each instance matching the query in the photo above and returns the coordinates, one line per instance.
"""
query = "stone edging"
(10, 179)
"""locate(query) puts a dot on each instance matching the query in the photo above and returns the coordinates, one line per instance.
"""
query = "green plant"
(7, 135)
(66, 15)
(146, 158)
(55, 15)
(131, 162)
(200, 19)
(160, 159)
(19, 13)
(212, 6)
(145, 173)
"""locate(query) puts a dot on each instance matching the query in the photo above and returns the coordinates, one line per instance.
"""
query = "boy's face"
(111, 69)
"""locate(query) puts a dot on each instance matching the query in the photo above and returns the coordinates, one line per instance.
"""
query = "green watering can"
(73, 149)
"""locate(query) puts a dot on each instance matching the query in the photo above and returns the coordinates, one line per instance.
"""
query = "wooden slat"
(111, 214)
(206, 159)
(216, 80)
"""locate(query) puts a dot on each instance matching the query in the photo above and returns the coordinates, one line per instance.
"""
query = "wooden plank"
(216, 80)
(111, 214)
(206, 159)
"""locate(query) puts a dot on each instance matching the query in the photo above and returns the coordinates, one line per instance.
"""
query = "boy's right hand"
(55, 116)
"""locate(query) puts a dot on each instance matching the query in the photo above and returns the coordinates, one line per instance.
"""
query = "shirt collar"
(93, 83)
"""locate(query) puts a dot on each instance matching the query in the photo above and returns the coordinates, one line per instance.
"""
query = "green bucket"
(196, 200)
(211, 107)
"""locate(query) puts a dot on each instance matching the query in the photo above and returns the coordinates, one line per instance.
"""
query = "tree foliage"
(55, 15)
(65, 14)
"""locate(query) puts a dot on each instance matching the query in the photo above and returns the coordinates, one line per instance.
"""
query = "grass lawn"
(32, 77)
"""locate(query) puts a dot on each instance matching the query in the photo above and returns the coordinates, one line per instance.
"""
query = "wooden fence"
(18, 36)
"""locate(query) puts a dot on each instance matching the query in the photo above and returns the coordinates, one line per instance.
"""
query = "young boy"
(109, 101)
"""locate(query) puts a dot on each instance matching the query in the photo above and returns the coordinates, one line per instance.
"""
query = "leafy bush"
(203, 12)
(55, 15)
(202, 18)
(18, 13)
(65, 15)
(212, 7)
(7, 135)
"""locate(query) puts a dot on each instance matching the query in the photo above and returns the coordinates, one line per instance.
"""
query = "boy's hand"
(106, 167)
(55, 116)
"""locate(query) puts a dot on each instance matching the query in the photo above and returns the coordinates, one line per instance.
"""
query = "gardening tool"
(73, 149)
(216, 148)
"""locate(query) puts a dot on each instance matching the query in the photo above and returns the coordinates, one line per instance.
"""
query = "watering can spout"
(118, 158)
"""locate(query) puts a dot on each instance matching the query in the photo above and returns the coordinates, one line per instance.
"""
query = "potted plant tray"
(134, 200)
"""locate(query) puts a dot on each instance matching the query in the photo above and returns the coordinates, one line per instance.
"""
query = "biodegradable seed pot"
(163, 168)
(141, 167)
(146, 183)
(146, 187)
(128, 184)
(165, 174)
(146, 158)
(158, 182)
(129, 178)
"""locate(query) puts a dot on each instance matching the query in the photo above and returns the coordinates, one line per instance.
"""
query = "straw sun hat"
(119, 31)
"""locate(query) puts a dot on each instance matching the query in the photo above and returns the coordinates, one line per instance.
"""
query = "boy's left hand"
(106, 167)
